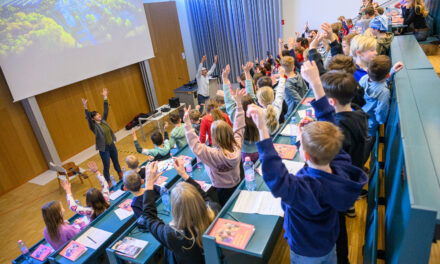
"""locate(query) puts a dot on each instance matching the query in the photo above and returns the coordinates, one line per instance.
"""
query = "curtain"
(236, 30)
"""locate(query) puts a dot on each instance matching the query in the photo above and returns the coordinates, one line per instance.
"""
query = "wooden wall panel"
(168, 68)
(21, 158)
(64, 114)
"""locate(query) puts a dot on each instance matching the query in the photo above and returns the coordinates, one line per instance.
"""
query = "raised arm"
(314, 55)
(211, 71)
(81, 210)
(335, 46)
(279, 95)
(248, 83)
(104, 185)
(323, 110)
(180, 168)
(229, 100)
(291, 45)
(105, 114)
(88, 117)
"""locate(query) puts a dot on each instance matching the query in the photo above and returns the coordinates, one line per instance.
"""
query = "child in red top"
(214, 113)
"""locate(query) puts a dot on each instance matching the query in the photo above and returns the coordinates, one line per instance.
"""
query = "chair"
(68, 171)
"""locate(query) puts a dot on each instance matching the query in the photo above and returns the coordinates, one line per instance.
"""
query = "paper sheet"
(253, 202)
(293, 166)
(290, 130)
(98, 236)
(122, 213)
(114, 195)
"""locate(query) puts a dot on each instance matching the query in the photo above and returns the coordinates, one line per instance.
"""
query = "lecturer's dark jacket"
(97, 130)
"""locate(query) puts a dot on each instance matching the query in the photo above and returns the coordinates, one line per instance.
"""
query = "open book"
(130, 247)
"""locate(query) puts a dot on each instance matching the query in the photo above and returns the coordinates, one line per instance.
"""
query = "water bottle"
(165, 198)
(292, 132)
(249, 174)
(189, 168)
(112, 179)
(24, 251)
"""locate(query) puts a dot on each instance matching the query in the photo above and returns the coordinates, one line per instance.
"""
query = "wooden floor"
(20, 211)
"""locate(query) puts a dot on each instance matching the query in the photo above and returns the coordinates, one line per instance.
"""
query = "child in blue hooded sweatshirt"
(377, 95)
(312, 198)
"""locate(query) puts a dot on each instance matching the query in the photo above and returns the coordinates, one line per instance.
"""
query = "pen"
(91, 239)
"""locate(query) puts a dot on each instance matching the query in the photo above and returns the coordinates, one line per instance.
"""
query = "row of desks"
(259, 248)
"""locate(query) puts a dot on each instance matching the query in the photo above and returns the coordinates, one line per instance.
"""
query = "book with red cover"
(73, 250)
(42, 252)
(126, 205)
(232, 233)
(285, 151)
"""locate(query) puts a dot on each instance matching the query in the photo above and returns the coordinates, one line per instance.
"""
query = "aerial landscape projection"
(55, 25)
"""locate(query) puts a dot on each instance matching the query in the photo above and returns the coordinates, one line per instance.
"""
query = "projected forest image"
(56, 25)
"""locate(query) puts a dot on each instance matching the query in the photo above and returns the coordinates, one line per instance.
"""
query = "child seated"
(182, 237)
(377, 94)
(133, 183)
(194, 115)
(161, 150)
(177, 134)
(96, 201)
(312, 198)
(57, 231)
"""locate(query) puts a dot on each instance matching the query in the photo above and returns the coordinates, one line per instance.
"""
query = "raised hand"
(84, 101)
(291, 43)
(203, 58)
(104, 92)
(247, 68)
(310, 73)
(281, 71)
(329, 32)
(179, 165)
(66, 186)
(133, 133)
(92, 166)
(238, 96)
(151, 175)
(316, 40)
(225, 74)
(256, 113)
(215, 59)
(398, 66)
(186, 118)
(165, 125)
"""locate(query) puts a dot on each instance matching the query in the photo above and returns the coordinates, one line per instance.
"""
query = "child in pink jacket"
(222, 160)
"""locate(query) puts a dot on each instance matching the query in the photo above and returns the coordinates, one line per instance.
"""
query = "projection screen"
(47, 44)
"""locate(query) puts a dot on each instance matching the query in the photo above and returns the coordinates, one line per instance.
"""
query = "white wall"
(186, 34)
(296, 12)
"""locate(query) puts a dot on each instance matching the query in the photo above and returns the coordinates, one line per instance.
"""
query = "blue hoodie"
(312, 198)
(377, 103)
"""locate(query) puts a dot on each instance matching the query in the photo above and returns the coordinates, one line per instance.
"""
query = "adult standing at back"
(202, 78)
(104, 137)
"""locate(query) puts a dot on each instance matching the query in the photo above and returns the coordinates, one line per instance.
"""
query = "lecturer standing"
(202, 78)
(104, 136)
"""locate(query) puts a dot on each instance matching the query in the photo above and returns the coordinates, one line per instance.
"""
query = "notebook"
(130, 247)
(126, 205)
(285, 151)
(232, 233)
(73, 250)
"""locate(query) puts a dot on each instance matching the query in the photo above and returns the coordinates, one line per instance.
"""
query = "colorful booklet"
(165, 165)
(285, 151)
(130, 247)
(42, 252)
(232, 233)
(73, 250)
(126, 205)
